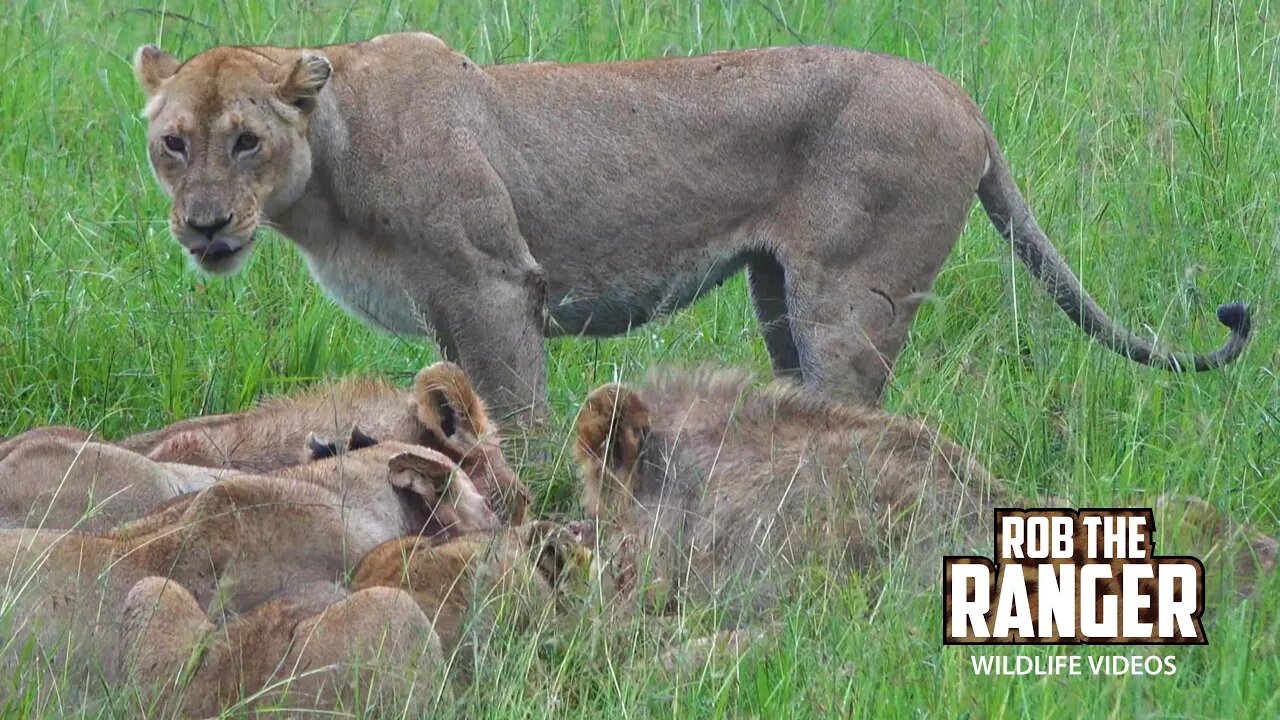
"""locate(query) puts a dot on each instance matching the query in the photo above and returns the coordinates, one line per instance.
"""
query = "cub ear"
(321, 449)
(153, 66)
(422, 475)
(305, 80)
(447, 402)
(612, 427)
(359, 440)
(447, 494)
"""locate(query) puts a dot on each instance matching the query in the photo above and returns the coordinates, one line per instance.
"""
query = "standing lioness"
(494, 206)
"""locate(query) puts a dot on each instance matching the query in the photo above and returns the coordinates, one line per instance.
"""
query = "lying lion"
(524, 571)
(57, 480)
(441, 411)
(494, 206)
(235, 545)
(370, 646)
(707, 488)
(61, 478)
(304, 644)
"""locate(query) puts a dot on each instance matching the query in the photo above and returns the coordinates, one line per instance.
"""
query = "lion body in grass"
(64, 478)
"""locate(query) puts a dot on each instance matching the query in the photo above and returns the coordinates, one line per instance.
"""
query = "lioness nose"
(208, 228)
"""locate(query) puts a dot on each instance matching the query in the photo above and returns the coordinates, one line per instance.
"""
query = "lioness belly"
(633, 301)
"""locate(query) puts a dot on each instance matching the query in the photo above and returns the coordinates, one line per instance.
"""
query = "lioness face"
(227, 139)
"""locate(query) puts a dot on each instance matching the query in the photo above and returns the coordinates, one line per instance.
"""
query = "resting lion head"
(227, 139)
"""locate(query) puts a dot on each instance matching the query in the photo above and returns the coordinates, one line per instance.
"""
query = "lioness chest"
(359, 274)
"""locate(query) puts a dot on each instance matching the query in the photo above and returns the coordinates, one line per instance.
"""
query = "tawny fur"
(283, 653)
(59, 478)
(522, 571)
(234, 545)
(709, 488)
(493, 206)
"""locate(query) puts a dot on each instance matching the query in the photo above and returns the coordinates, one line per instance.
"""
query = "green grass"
(1146, 136)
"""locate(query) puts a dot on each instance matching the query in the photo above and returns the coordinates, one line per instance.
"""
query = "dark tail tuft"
(1236, 317)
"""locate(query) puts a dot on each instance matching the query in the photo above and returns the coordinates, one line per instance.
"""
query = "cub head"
(227, 139)
(612, 433)
(455, 423)
(448, 502)
(562, 553)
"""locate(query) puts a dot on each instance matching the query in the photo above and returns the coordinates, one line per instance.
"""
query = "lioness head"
(227, 139)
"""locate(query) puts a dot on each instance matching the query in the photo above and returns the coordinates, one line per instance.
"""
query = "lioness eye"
(175, 144)
(247, 142)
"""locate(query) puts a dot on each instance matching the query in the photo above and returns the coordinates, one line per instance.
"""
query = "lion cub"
(375, 643)
(62, 478)
(708, 487)
(442, 411)
(238, 544)
(525, 570)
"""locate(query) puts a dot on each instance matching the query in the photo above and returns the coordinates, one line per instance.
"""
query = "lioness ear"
(425, 476)
(447, 402)
(305, 80)
(612, 427)
(359, 440)
(446, 493)
(153, 66)
(321, 449)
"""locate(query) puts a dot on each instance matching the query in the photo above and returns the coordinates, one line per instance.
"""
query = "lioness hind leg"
(854, 290)
(871, 221)
(57, 431)
(848, 335)
(768, 292)
(57, 480)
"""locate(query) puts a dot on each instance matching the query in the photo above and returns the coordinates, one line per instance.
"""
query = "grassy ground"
(1144, 134)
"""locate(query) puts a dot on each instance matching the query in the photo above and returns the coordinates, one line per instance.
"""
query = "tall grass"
(1144, 134)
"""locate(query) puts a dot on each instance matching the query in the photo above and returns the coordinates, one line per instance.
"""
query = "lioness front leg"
(485, 295)
(494, 331)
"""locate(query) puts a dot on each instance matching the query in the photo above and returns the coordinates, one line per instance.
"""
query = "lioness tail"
(1008, 211)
